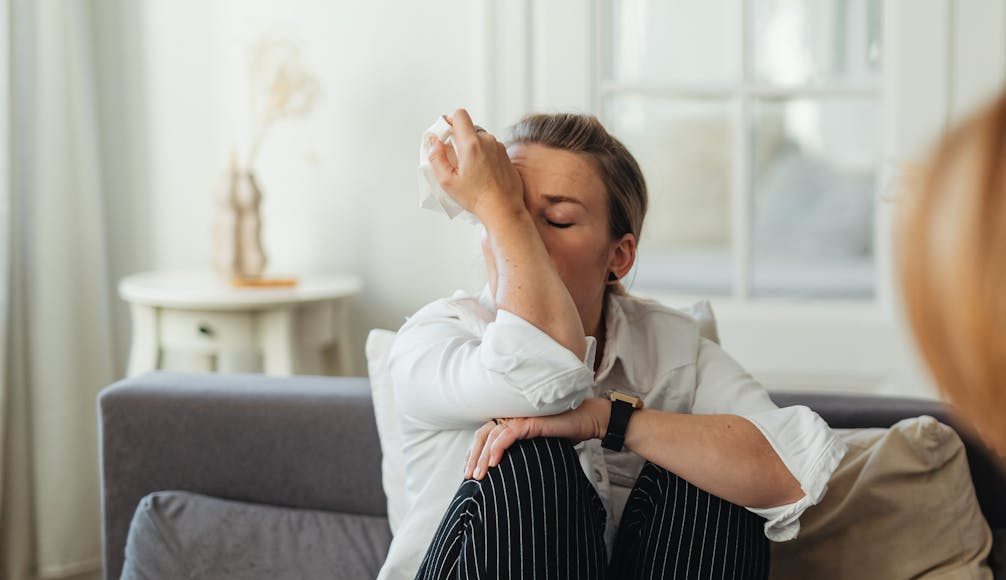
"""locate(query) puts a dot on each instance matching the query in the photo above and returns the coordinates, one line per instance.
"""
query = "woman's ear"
(622, 255)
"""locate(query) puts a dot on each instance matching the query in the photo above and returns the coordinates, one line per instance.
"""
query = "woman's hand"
(482, 176)
(588, 421)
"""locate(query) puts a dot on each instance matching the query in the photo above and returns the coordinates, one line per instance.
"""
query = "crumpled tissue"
(431, 195)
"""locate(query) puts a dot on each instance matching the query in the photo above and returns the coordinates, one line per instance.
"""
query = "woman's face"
(569, 205)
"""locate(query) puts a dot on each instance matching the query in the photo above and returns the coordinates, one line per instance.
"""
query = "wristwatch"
(622, 406)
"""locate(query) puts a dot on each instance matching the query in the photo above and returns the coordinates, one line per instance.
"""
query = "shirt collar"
(617, 342)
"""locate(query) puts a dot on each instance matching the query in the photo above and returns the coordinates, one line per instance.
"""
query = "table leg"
(345, 352)
(144, 353)
(277, 334)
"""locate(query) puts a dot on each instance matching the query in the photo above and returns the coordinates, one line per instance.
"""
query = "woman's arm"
(485, 183)
(533, 359)
(448, 375)
(724, 455)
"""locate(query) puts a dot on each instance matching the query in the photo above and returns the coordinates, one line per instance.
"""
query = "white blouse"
(459, 362)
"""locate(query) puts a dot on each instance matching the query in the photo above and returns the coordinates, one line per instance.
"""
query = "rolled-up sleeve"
(810, 450)
(807, 446)
(448, 376)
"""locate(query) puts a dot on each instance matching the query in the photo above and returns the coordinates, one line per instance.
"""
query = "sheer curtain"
(58, 349)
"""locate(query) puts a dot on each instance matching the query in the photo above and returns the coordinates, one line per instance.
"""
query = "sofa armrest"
(302, 441)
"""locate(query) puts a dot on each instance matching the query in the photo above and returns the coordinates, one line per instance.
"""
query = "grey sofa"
(311, 443)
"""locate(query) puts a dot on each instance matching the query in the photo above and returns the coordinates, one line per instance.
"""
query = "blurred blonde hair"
(951, 239)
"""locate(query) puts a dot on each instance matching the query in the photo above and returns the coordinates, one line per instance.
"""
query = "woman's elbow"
(790, 491)
(781, 489)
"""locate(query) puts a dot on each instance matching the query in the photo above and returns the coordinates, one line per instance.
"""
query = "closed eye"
(557, 225)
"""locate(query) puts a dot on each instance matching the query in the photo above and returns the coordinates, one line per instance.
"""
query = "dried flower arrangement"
(281, 88)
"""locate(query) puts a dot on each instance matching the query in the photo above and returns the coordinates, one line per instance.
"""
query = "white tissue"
(431, 195)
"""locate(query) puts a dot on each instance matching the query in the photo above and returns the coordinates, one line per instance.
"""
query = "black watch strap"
(618, 422)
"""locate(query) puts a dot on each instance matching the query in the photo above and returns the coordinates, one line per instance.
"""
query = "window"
(758, 126)
(761, 125)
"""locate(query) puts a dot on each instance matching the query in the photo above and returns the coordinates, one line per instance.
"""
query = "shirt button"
(598, 477)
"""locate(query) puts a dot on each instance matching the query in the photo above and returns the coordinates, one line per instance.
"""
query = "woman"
(952, 242)
(698, 479)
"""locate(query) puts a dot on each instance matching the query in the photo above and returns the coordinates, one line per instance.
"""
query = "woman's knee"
(539, 456)
(654, 474)
(701, 535)
(530, 465)
(659, 483)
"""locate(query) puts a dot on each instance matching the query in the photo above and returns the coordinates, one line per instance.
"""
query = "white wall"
(173, 107)
(340, 189)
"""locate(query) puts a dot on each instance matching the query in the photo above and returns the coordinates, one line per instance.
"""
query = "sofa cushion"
(177, 534)
(900, 505)
(702, 313)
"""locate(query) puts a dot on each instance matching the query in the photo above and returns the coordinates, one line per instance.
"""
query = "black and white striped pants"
(536, 515)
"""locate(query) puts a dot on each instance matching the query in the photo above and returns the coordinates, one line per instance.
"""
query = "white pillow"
(702, 313)
(392, 460)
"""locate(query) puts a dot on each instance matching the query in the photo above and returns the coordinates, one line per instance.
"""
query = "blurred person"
(951, 240)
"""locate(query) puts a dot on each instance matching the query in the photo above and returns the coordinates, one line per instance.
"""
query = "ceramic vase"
(237, 236)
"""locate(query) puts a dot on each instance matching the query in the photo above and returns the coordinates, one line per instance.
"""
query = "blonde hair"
(622, 178)
(952, 264)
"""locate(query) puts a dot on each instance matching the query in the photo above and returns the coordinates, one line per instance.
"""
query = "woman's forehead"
(556, 175)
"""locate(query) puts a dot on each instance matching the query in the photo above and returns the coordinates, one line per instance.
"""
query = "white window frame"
(544, 55)
(739, 95)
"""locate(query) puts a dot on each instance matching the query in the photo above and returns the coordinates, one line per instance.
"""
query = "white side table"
(297, 330)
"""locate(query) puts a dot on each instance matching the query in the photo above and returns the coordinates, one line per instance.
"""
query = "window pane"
(816, 41)
(684, 148)
(814, 171)
(674, 41)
